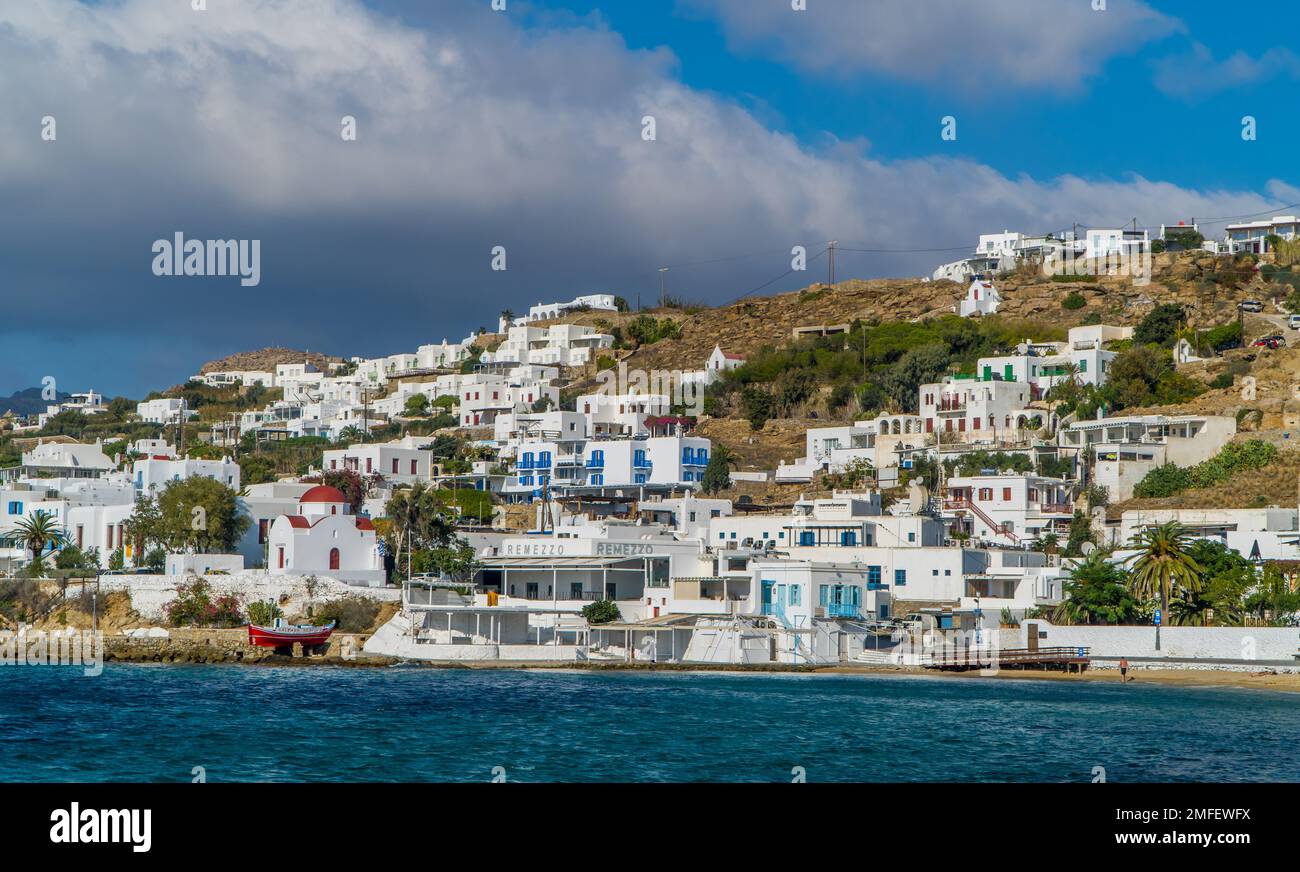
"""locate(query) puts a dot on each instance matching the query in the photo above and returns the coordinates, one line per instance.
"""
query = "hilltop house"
(981, 299)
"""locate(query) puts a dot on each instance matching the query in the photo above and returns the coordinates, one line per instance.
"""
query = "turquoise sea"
(158, 723)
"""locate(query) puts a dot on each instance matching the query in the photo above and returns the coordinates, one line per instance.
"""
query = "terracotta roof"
(298, 521)
(323, 493)
(365, 524)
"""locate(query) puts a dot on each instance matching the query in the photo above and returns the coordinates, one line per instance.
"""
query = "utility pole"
(180, 430)
(831, 251)
(663, 296)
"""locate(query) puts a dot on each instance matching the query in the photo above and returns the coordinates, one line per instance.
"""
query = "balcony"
(1056, 509)
(595, 463)
(642, 463)
(951, 407)
(842, 610)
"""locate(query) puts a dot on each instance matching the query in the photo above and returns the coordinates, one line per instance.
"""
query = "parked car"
(1251, 306)
(1275, 341)
(1293, 322)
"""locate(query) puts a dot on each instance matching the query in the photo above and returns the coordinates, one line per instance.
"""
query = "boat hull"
(267, 637)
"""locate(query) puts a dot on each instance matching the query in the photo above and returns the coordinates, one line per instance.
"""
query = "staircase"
(975, 510)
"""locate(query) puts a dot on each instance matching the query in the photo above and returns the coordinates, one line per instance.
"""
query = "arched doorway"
(334, 558)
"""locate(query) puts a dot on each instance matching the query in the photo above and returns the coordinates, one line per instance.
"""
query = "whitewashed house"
(982, 298)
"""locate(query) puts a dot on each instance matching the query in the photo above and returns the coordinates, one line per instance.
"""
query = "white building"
(166, 410)
(982, 298)
(1008, 509)
(1253, 236)
(324, 538)
(551, 311)
(1127, 448)
(151, 474)
(979, 410)
(1256, 534)
(556, 345)
(402, 461)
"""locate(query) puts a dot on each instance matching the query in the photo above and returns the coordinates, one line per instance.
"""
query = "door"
(610, 590)
(1031, 633)
(334, 558)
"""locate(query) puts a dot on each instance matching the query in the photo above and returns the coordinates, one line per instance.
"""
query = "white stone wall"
(1244, 644)
(150, 594)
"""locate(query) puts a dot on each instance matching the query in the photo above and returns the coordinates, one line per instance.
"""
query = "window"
(900, 577)
(368, 465)
(823, 595)
(1006, 495)
(413, 467)
(807, 537)
(848, 537)
(262, 525)
(691, 517)
(986, 493)
(15, 508)
(911, 537)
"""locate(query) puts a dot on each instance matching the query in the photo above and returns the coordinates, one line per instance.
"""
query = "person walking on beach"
(1123, 670)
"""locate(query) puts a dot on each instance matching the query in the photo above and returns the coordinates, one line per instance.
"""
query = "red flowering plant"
(195, 606)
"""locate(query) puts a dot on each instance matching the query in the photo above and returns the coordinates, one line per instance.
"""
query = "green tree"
(201, 515)
(34, 533)
(1160, 327)
(1096, 593)
(417, 406)
(717, 474)
(919, 366)
(421, 520)
(1163, 566)
(601, 612)
(1080, 532)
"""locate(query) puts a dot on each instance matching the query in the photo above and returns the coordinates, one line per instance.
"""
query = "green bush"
(264, 612)
(1160, 326)
(195, 606)
(601, 612)
(1074, 300)
(1167, 480)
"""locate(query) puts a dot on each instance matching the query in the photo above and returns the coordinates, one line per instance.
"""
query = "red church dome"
(323, 493)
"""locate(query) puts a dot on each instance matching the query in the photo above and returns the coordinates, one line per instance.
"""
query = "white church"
(325, 538)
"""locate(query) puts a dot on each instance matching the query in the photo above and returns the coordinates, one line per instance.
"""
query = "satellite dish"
(1087, 548)
(918, 496)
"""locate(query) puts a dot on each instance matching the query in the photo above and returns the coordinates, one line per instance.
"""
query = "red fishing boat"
(285, 635)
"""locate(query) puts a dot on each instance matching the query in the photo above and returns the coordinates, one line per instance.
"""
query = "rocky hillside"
(267, 359)
(1196, 280)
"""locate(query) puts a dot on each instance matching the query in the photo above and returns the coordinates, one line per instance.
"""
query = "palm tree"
(1163, 567)
(35, 533)
(1095, 593)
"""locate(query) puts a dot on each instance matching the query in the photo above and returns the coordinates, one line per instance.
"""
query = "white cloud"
(994, 47)
(225, 124)
(1197, 74)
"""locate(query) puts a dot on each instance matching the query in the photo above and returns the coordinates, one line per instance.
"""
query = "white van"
(1293, 322)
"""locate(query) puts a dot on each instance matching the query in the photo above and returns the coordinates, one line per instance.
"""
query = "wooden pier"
(960, 659)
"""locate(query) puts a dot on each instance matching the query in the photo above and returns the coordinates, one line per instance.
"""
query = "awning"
(555, 562)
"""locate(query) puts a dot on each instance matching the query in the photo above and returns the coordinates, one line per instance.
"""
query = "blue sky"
(522, 128)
